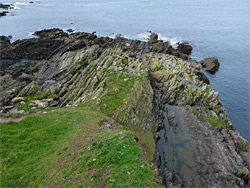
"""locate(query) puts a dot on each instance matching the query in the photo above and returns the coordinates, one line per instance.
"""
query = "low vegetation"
(67, 147)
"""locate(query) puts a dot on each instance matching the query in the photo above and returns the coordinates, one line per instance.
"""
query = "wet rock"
(70, 30)
(4, 13)
(210, 64)
(6, 6)
(185, 48)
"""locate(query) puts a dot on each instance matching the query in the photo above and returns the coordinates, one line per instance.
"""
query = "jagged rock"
(9, 88)
(4, 42)
(153, 38)
(210, 64)
(30, 89)
(202, 77)
(63, 91)
(185, 48)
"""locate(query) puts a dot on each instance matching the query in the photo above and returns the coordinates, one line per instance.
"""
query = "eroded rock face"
(210, 64)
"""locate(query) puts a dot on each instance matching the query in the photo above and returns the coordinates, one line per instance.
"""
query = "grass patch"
(214, 121)
(52, 150)
(118, 86)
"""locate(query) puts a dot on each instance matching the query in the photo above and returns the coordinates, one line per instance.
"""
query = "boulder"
(70, 30)
(42, 104)
(185, 48)
(17, 99)
(210, 64)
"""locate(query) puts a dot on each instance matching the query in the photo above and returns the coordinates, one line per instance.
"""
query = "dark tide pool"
(176, 149)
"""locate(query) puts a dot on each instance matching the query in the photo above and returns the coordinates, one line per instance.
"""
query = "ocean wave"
(17, 5)
(22, 3)
(114, 35)
(30, 34)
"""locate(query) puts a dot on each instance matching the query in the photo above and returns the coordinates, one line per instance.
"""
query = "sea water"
(215, 28)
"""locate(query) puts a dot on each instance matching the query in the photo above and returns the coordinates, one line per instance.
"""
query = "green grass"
(52, 150)
(214, 121)
(6, 115)
(117, 90)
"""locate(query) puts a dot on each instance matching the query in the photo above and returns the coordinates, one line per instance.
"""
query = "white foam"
(15, 7)
(144, 36)
(30, 34)
(173, 41)
(22, 3)
(113, 35)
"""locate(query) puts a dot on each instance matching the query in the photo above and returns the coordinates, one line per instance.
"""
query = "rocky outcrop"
(132, 81)
(6, 6)
(4, 42)
(185, 48)
(4, 13)
(210, 64)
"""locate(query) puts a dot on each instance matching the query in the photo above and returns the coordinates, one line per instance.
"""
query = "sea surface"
(215, 28)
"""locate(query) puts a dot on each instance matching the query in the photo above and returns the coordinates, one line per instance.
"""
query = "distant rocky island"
(150, 89)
